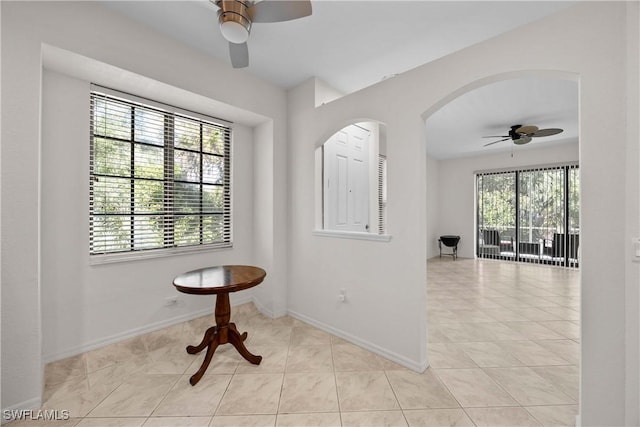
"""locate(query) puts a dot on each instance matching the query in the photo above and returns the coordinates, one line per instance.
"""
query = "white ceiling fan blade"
(495, 142)
(239, 54)
(279, 10)
(546, 132)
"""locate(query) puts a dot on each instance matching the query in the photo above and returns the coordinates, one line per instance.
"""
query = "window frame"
(168, 214)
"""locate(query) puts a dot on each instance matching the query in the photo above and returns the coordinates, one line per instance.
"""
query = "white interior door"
(346, 180)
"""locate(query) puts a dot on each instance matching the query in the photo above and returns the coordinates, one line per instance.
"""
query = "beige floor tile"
(177, 422)
(465, 332)
(499, 417)
(500, 331)
(489, 354)
(243, 421)
(565, 378)
(527, 387)
(170, 359)
(77, 397)
(374, 419)
(172, 336)
(441, 315)
(365, 391)
(564, 415)
(308, 392)
(321, 419)
(449, 355)
(566, 349)
(564, 313)
(200, 400)
(565, 328)
(420, 391)
(251, 394)
(265, 335)
(274, 360)
(473, 316)
(115, 353)
(112, 376)
(435, 334)
(537, 314)
(225, 361)
(505, 314)
(70, 368)
(532, 354)
(534, 331)
(474, 388)
(112, 422)
(349, 357)
(308, 335)
(309, 358)
(136, 397)
(438, 418)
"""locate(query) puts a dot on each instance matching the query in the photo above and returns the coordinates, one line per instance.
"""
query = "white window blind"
(159, 178)
(382, 194)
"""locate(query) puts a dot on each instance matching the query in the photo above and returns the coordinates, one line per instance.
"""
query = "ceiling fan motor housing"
(513, 132)
(235, 19)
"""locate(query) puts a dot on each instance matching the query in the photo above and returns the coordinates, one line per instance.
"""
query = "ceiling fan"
(521, 135)
(236, 16)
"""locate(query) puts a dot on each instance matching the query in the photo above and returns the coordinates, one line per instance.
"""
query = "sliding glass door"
(529, 215)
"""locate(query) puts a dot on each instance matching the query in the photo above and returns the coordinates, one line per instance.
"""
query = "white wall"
(633, 218)
(386, 281)
(98, 43)
(457, 201)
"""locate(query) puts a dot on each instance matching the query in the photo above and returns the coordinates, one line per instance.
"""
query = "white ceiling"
(354, 44)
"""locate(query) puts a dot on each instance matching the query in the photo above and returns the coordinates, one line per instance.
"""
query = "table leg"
(206, 340)
(223, 333)
(237, 341)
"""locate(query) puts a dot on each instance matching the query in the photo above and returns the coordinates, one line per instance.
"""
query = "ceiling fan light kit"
(235, 18)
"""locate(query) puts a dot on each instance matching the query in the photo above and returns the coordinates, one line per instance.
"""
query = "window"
(530, 215)
(159, 179)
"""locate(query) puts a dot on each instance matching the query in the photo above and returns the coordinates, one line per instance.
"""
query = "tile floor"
(503, 347)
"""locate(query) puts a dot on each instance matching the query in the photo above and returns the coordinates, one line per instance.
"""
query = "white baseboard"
(31, 404)
(131, 333)
(387, 354)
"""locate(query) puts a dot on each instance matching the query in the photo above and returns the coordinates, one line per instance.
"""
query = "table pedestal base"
(223, 333)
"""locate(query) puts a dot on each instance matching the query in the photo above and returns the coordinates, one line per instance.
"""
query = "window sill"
(353, 235)
(152, 254)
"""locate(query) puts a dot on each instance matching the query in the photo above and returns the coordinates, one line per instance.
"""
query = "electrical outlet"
(342, 296)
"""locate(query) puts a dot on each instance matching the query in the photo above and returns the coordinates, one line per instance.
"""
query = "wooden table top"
(220, 279)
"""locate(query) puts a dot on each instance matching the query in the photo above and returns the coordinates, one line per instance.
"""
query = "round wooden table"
(220, 281)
